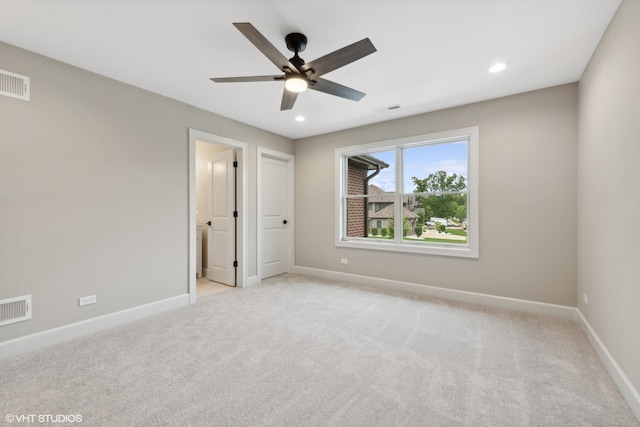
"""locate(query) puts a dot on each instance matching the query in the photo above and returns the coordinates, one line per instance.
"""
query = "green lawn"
(457, 231)
(429, 239)
(434, 240)
(452, 231)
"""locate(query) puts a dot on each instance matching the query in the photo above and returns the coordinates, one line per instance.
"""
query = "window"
(417, 194)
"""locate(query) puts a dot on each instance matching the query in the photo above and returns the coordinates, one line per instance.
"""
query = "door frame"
(243, 160)
(289, 194)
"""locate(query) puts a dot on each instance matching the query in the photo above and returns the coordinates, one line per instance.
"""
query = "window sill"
(449, 250)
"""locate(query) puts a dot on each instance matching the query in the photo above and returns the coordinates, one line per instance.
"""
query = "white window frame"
(470, 250)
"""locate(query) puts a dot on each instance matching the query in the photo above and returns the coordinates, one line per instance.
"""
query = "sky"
(422, 161)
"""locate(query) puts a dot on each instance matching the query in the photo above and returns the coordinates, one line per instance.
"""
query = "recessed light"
(300, 118)
(497, 67)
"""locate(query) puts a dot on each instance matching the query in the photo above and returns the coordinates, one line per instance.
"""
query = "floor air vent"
(15, 310)
(14, 85)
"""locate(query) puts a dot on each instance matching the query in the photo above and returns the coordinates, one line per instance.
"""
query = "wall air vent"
(15, 310)
(14, 85)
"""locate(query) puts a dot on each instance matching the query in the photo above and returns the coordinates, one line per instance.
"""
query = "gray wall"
(93, 192)
(608, 194)
(527, 167)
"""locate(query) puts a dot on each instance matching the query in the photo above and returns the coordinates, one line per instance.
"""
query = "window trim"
(471, 250)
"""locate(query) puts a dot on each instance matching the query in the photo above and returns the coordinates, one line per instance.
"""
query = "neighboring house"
(381, 209)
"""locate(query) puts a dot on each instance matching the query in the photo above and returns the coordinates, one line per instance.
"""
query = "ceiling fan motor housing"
(296, 42)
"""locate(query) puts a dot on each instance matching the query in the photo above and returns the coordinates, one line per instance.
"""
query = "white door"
(274, 181)
(221, 236)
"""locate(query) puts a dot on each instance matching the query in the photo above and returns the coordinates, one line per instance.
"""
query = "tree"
(405, 228)
(442, 205)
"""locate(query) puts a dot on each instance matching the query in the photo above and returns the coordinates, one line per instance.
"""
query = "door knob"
(284, 222)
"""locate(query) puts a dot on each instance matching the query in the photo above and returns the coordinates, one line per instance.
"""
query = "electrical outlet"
(585, 299)
(91, 299)
(344, 261)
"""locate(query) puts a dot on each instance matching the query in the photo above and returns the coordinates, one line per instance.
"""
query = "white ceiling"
(432, 54)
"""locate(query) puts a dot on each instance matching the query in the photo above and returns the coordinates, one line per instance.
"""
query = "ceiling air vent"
(15, 309)
(387, 108)
(14, 85)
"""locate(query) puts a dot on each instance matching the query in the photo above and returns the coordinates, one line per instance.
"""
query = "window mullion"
(397, 220)
(344, 176)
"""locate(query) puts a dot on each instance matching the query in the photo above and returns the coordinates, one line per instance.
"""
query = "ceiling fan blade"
(339, 58)
(264, 46)
(246, 79)
(326, 86)
(288, 99)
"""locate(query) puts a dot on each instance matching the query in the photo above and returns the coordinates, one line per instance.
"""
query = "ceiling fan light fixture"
(295, 83)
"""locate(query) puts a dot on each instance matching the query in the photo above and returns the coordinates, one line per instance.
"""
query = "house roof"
(366, 161)
(378, 195)
(387, 212)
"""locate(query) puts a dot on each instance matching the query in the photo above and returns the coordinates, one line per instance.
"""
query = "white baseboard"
(89, 326)
(627, 389)
(525, 306)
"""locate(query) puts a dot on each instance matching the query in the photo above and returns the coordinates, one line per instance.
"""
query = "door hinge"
(235, 164)
(235, 214)
(235, 264)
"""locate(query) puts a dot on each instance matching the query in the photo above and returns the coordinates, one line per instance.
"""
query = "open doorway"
(203, 147)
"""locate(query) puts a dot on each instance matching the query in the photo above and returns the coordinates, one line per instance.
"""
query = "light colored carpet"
(205, 287)
(300, 352)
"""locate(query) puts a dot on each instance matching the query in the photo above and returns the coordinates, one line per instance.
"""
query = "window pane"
(411, 220)
(376, 169)
(452, 207)
(386, 178)
(380, 218)
(370, 217)
(436, 167)
(449, 225)
(356, 217)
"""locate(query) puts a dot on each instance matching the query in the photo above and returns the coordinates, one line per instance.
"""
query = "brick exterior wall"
(356, 226)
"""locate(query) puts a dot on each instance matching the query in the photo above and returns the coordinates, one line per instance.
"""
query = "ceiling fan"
(298, 75)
